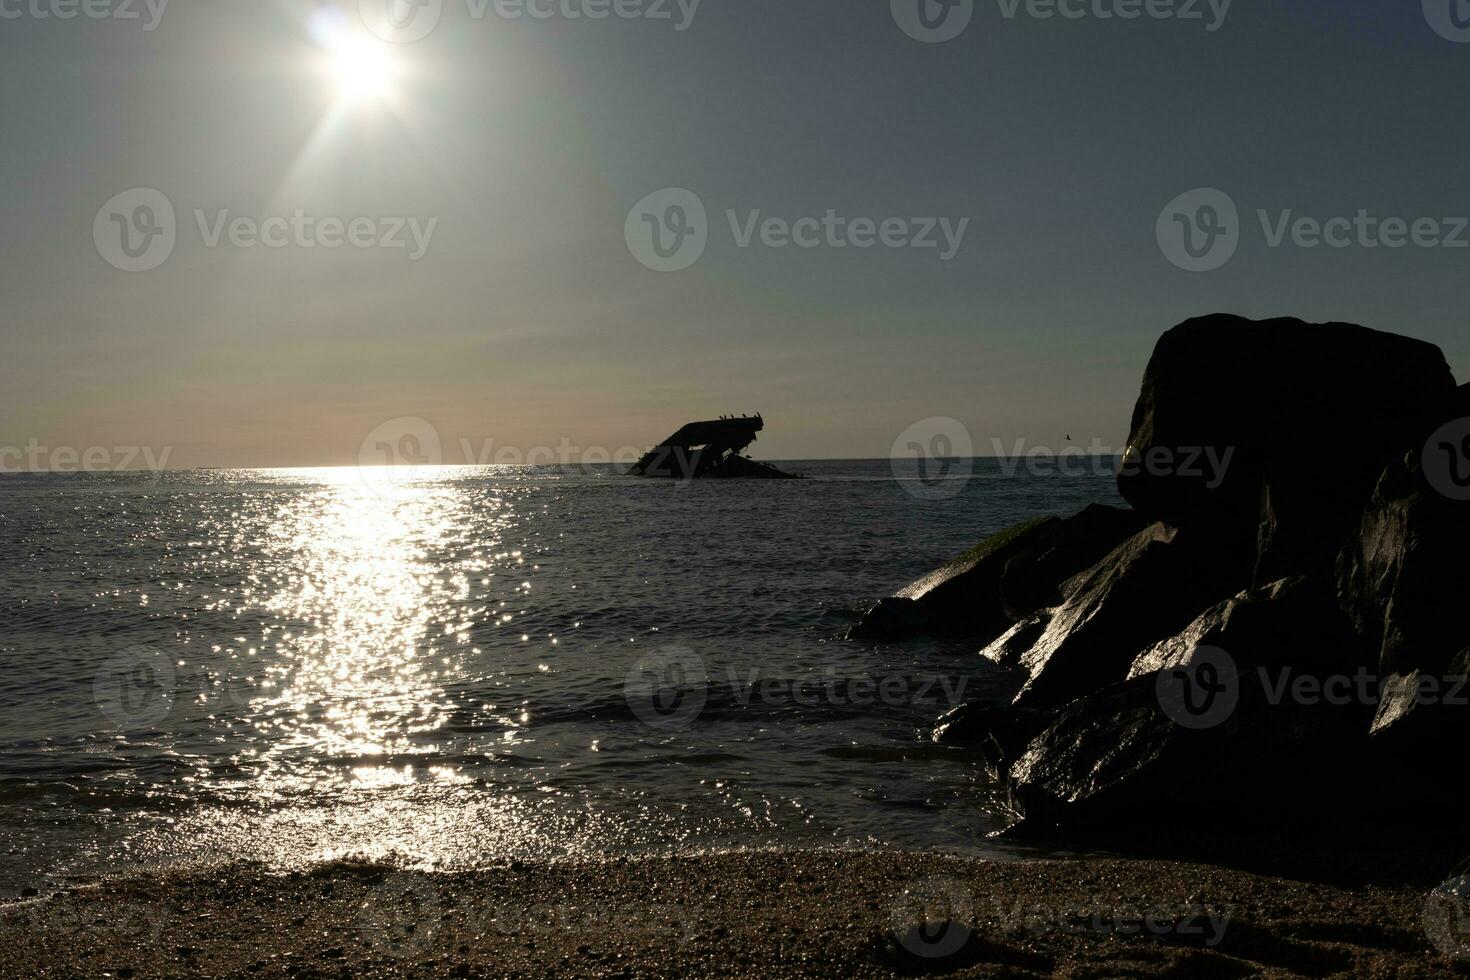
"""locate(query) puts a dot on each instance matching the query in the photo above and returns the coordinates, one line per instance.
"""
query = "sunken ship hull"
(709, 450)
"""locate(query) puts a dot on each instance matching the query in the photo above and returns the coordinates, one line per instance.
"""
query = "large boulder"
(1034, 579)
(1257, 657)
(1299, 418)
(962, 598)
(1293, 624)
(1118, 767)
(1146, 589)
(1005, 579)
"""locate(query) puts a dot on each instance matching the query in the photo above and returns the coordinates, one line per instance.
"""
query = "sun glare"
(360, 68)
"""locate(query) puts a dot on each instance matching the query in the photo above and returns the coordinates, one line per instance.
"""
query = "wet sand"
(758, 915)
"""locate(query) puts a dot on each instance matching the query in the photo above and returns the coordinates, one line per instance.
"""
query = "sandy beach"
(757, 915)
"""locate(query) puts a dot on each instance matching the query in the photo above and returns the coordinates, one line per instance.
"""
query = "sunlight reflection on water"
(431, 665)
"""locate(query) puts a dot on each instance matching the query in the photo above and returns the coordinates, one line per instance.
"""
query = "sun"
(359, 68)
(362, 69)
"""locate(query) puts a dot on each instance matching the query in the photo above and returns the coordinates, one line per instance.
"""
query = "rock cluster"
(1272, 643)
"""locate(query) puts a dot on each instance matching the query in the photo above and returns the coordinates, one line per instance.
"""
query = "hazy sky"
(528, 320)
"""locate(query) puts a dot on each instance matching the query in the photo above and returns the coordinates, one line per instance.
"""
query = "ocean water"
(479, 664)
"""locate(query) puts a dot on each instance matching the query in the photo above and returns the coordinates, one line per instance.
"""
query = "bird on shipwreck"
(713, 449)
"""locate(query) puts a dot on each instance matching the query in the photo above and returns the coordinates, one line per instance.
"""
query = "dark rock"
(1006, 578)
(1007, 649)
(1404, 577)
(893, 618)
(1116, 763)
(1033, 580)
(960, 599)
(1294, 623)
(1425, 711)
(1404, 581)
(1148, 588)
(1001, 732)
(29, 892)
(1281, 400)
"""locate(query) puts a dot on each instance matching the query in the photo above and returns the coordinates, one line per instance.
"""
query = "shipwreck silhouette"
(713, 449)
